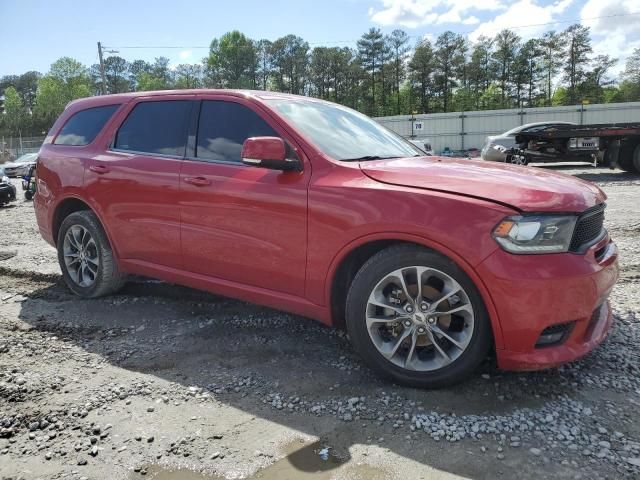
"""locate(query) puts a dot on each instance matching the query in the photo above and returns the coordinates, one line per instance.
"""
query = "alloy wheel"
(419, 318)
(81, 256)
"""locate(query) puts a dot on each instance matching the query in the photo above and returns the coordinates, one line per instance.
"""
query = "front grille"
(588, 228)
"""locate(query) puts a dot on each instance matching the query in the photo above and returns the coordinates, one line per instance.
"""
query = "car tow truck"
(608, 144)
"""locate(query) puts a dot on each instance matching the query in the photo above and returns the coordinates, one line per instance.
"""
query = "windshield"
(342, 133)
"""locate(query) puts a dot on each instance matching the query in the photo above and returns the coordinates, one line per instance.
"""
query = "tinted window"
(83, 126)
(155, 127)
(223, 128)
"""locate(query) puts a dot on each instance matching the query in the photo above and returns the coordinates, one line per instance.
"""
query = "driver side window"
(223, 127)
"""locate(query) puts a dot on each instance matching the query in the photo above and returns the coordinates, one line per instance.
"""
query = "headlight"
(5, 179)
(535, 233)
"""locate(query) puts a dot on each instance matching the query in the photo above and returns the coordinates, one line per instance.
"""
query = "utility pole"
(104, 80)
(102, 50)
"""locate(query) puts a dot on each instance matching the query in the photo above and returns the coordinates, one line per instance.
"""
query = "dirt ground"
(165, 382)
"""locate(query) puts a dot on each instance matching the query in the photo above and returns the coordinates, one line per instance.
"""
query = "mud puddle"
(315, 461)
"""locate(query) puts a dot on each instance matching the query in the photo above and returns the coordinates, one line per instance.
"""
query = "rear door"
(136, 181)
(241, 223)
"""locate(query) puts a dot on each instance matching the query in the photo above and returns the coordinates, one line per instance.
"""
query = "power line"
(516, 27)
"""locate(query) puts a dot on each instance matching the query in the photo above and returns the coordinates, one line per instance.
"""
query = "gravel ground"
(166, 382)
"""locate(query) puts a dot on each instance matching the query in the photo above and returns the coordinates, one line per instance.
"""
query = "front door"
(241, 223)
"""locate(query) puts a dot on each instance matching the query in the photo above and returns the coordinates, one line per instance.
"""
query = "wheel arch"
(350, 259)
(69, 205)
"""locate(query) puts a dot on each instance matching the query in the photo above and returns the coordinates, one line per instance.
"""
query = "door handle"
(99, 169)
(198, 181)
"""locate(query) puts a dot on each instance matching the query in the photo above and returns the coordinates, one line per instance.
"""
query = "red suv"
(313, 208)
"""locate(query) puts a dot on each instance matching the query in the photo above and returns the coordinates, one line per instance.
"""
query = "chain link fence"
(13, 147)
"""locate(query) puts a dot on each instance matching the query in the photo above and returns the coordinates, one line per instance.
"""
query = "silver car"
(497, 148)
(424, 145)
(20, 166)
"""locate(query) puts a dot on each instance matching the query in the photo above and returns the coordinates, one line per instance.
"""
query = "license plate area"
(584, 143)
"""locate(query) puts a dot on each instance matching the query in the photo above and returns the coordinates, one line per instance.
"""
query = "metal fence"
(11, 148)
(465, 130)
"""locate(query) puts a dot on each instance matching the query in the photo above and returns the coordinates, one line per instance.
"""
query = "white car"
(423, 144)
(497, 148)
(20, 166)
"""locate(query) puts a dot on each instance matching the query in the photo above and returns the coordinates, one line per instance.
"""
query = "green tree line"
(385, 74)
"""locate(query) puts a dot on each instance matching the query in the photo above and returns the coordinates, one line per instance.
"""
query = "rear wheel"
(629, 158)
(417, 318)
(86, 258)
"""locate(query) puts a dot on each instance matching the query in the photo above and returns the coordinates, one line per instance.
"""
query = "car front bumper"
(532, 293)
(492, 154)
(14, 171)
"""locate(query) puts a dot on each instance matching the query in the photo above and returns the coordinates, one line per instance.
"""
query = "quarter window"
(223, 128)
(156, 127)
(83, 127)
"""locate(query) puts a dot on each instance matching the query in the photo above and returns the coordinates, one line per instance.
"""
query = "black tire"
(28, 195)
(629, 159)
(376, 268)
(108, 278)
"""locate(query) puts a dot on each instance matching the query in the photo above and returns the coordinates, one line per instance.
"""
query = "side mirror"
(268, 152)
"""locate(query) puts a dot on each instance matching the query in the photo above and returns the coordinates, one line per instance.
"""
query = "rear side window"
(223, 128)
(83, 126)
(155, 127)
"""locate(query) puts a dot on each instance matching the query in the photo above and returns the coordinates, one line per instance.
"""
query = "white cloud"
(408, 13)
(617, 32)
(413, 13)
(471, 20)
(521, 13)
(185, 54)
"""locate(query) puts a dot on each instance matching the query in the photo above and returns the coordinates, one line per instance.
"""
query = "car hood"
(501, 139)
(15, 164)
(527, 189)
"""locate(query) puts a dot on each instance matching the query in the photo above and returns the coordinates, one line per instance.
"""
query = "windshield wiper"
(365, 158)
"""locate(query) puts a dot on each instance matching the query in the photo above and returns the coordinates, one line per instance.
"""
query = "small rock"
(535, 451)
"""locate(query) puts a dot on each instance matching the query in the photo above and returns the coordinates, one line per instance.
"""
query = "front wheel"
(86, 258)
(416, 317)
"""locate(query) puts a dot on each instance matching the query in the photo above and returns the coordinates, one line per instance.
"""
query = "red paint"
(277, 238)
(530, 189)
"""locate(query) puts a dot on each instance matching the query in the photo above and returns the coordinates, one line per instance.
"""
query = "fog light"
(554, 334)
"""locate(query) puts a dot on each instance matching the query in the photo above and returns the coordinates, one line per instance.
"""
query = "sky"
(34, 33)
